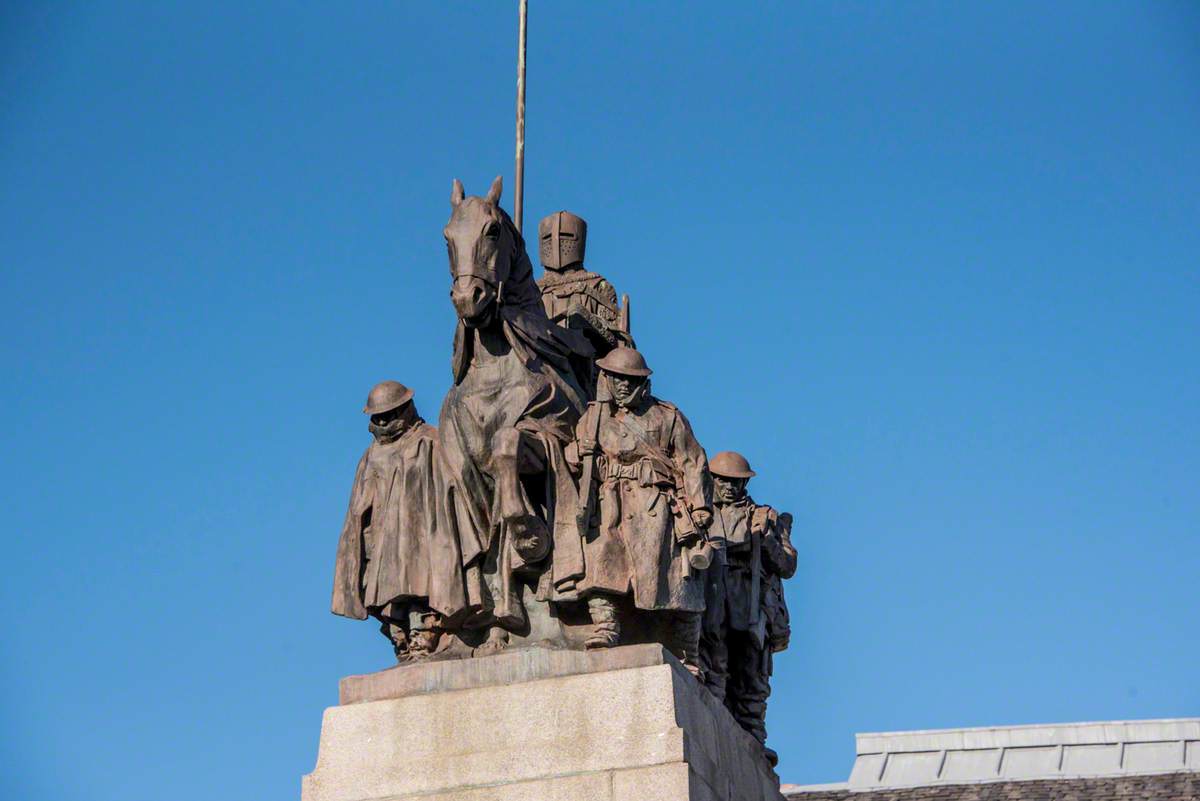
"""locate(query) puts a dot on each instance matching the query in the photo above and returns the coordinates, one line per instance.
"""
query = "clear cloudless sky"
(933, 266)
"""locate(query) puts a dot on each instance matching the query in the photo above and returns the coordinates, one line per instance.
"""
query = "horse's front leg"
(514, 453)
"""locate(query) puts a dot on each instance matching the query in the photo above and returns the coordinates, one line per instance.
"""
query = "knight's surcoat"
(586, 296)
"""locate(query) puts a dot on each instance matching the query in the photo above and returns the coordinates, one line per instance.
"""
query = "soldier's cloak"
(413, 552)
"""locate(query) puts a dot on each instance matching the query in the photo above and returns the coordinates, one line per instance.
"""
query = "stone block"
(508, 667)
(620, 724)
(662, 783)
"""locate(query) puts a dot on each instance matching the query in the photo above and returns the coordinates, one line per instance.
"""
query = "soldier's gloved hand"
(587, 447)
(702, 518)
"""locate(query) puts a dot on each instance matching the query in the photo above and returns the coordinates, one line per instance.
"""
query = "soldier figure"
(573, 297)
(393, 561)
(654, 498)
(746, 618)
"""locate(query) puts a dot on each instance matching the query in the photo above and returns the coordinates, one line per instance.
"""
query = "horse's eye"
(492, 231)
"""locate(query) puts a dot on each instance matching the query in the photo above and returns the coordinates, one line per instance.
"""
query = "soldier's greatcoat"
(651, 469)
(393, 547)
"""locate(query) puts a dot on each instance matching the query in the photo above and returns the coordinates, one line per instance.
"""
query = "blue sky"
(931, 266)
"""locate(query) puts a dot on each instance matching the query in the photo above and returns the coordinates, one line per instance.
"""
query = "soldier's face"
(385, 426)
(384, 418)
(728, 490)
(625, 388)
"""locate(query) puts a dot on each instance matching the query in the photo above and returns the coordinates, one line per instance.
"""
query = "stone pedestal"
(624, 724)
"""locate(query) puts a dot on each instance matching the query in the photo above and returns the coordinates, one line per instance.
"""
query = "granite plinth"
(614, 725)
(508, 667)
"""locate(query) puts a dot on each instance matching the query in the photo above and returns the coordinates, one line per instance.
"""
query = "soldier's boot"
(497, 641)
(714, 680)
(606, 629)
(423, 635)
(398, 638)
(685, 641)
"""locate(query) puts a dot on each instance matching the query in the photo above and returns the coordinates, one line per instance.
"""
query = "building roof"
(1020, 755)
(1155, 787)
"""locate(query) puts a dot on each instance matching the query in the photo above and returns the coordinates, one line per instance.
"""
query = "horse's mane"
(520, 289)
(523, 317)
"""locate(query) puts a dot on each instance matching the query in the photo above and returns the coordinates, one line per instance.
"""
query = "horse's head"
(482, 243)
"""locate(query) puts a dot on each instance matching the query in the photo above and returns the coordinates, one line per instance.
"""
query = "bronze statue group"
(558, 502)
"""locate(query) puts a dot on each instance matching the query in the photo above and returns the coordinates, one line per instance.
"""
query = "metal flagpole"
(519, 192)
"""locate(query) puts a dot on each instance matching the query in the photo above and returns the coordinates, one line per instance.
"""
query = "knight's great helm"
(562, 238)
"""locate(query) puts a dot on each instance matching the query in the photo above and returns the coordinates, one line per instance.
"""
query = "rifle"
(587, 501)
(761, 521)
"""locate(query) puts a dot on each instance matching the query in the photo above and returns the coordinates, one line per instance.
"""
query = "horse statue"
(520, 385)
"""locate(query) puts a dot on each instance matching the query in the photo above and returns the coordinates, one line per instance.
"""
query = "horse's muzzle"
(473, 299)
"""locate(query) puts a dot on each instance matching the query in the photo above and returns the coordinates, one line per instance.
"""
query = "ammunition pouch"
(644, 471)
(775, 614)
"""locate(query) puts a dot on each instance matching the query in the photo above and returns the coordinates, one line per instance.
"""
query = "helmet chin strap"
(637, 396)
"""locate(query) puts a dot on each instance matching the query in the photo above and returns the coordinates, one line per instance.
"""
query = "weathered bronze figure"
(558, 502)
(395, 561)
(746, 618)
(519, 388)
(654, 503)
(574, 297)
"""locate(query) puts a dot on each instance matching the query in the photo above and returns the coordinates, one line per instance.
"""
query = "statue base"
(621, 724)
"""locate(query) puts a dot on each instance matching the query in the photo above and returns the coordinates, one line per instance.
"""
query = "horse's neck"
(491, 345)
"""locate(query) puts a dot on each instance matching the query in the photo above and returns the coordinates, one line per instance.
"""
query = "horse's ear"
(493, 195)
(456, 194)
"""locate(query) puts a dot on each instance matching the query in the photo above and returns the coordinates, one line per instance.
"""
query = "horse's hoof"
(530, 537)
(598, 641)
(491, 647)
